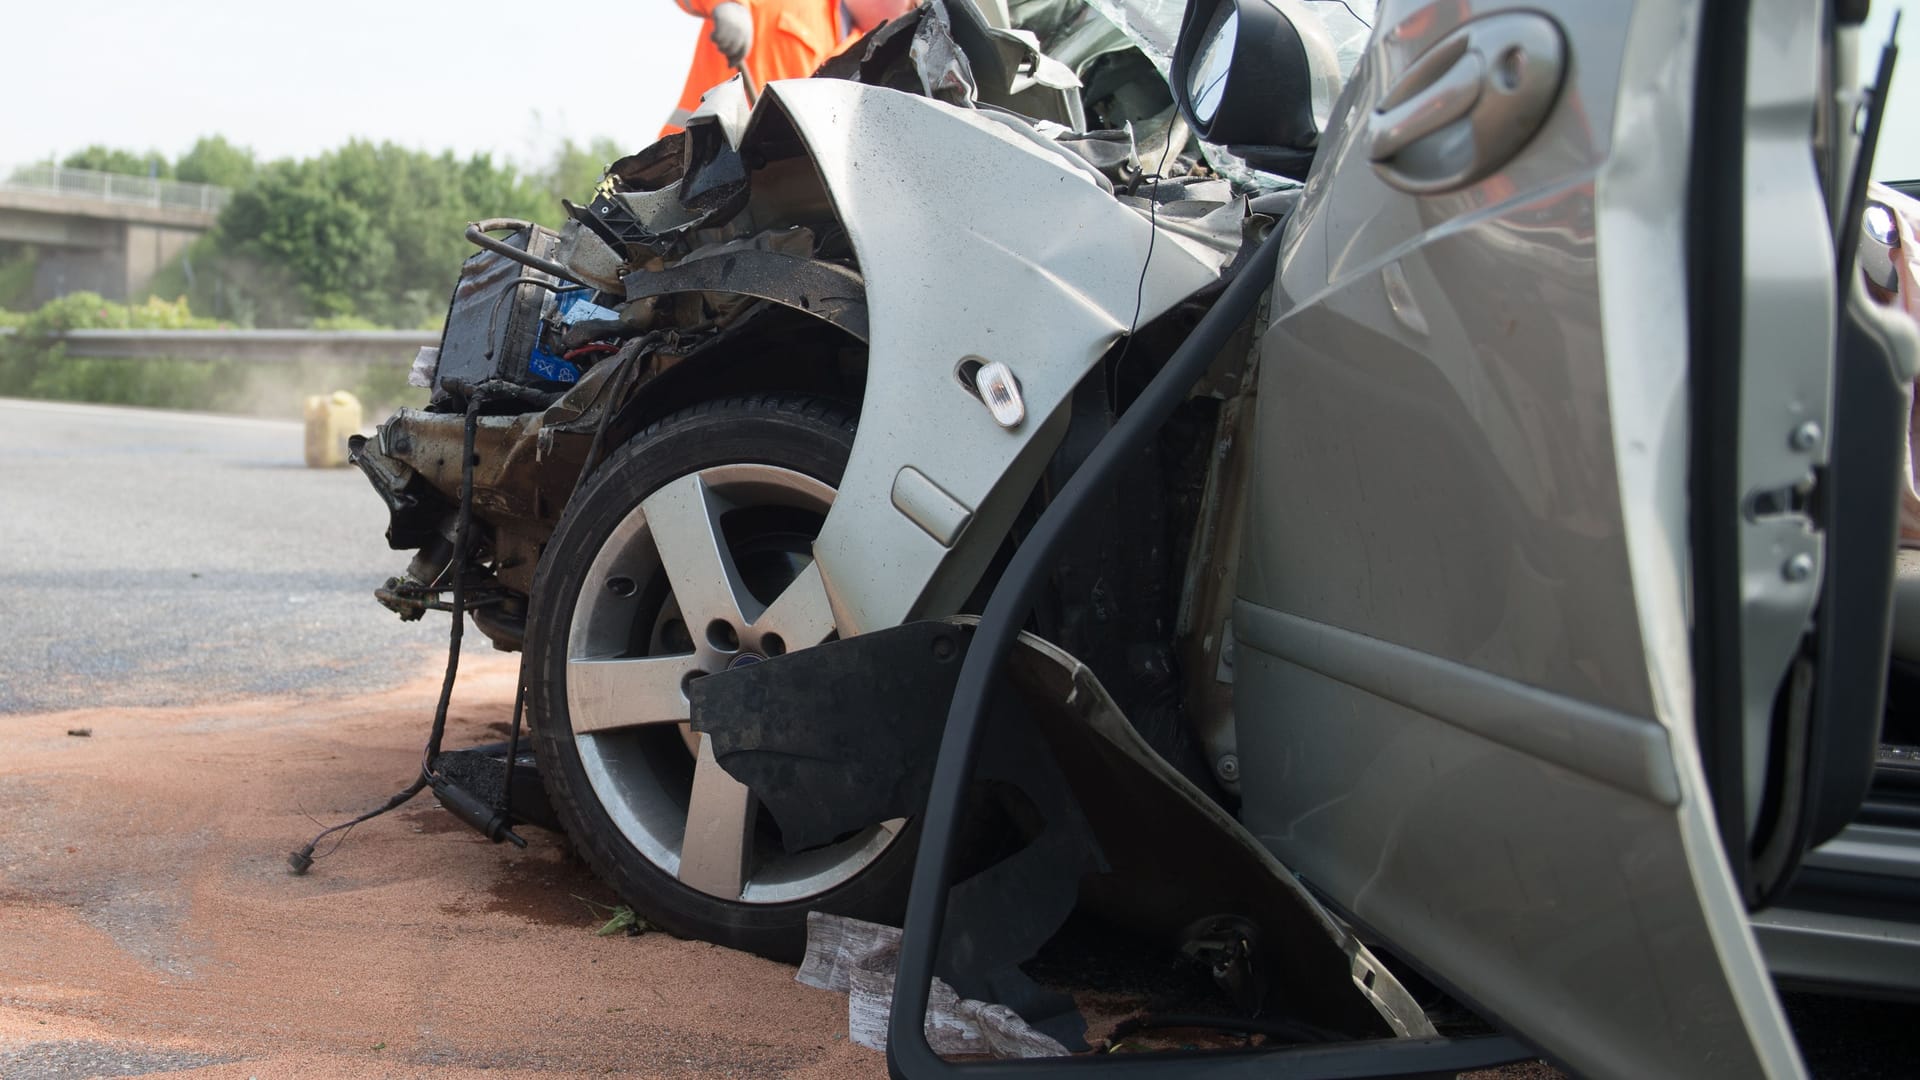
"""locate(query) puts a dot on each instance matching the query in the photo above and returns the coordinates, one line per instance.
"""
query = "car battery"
(494, 320)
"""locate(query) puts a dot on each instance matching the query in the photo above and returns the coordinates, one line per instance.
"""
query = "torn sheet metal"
(860, 959)
(1170, 860)
(1036, 68)
(1179, 860)
(729, 105)
(824, 290)
(943, 69)
(874, 54)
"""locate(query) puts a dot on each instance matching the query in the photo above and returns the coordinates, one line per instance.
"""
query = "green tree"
(367, 231)
(295, 248)
(17, 265)
(214, 160)
(576, 169)
(122, 162)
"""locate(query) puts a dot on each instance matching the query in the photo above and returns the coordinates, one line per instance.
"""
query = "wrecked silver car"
(799, 373)
(1325, 425)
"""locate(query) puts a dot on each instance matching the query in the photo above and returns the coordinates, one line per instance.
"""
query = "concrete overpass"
(99, 231)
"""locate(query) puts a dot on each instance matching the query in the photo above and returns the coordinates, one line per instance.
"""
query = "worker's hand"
(732, 30)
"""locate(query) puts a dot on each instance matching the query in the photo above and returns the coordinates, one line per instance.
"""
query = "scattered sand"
(148, 922)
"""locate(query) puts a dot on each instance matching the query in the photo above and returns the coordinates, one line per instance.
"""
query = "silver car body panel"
(1788, 310)
(1085, 696)
(1828, 950)
(1463, 668)
(1859, 950)
(963, 229)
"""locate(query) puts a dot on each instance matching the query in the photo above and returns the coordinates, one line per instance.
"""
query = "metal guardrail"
(113, 187)
(250, 346)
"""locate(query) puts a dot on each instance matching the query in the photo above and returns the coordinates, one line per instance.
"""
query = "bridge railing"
(113, 187)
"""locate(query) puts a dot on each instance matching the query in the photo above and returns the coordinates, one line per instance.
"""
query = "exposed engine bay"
(699, 266)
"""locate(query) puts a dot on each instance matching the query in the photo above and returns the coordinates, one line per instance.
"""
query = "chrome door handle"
(1437, 90)
(1468, 104)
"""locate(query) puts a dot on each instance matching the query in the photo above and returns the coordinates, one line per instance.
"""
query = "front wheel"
(689, 552)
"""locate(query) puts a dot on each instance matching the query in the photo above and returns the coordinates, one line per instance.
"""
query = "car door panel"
(1454, 489)
(1462, 671)
(1370, 221)
(1576, 925)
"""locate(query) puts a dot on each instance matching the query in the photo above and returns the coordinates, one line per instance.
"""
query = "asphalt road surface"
(149, 558)
(193, 676)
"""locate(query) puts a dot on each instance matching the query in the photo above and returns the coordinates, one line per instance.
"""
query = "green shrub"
(33, 364)
(16, 282)
(88, 311)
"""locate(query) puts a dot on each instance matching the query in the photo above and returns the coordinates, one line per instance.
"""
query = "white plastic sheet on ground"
(859, 959)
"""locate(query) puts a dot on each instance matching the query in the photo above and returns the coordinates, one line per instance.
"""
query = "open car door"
(1550, 536)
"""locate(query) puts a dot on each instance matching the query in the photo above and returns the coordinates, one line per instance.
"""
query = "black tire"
(804, 434)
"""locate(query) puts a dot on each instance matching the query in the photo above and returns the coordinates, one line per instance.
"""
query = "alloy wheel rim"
(626, 700)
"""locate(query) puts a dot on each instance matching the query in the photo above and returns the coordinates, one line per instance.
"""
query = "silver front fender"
(974, 242)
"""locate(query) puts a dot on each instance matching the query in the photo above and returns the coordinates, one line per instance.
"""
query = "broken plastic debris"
(426, 363)
(860, 959)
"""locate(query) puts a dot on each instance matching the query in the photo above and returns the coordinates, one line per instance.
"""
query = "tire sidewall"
(807, 435)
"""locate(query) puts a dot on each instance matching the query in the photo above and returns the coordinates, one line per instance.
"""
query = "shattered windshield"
(1154, 28)
(1154, 25)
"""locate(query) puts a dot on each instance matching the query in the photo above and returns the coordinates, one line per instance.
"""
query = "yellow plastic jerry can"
(330, 419)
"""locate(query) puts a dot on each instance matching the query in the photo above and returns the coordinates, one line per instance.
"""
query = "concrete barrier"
(345, 347)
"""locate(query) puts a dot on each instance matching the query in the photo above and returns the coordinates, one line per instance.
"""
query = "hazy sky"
(1898, 157)
(512, 79)
(295, 78)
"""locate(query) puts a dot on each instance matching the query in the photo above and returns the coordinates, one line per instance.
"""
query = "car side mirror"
(1256, 79)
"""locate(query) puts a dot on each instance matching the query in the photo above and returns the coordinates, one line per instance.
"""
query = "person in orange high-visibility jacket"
(777, 39)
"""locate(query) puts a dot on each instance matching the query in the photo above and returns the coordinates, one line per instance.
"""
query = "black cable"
(1355, 14)
(462, 534)
(999, 628)
(616, 387)
(302, 860)
(513, 738)
(1140, 287)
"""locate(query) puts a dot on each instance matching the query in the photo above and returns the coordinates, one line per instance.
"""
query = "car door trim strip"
(1613, 748)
